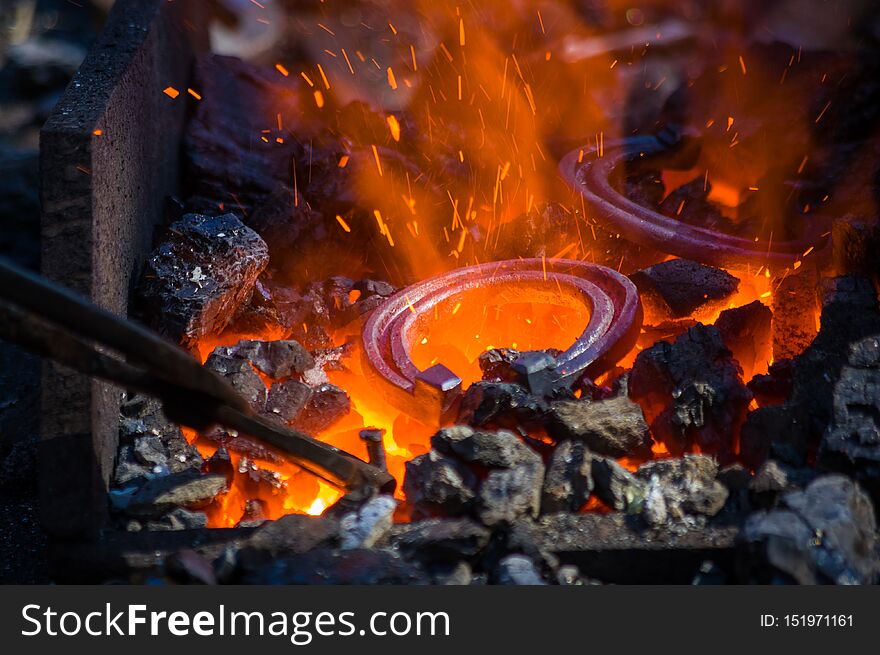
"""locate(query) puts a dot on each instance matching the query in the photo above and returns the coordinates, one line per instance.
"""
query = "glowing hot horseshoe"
(615, 320)
(591, 178)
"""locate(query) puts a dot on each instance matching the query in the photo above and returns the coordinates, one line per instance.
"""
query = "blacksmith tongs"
(53, 322)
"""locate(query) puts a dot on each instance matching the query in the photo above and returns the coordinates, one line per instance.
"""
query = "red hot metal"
(615, 321)
(590, 175)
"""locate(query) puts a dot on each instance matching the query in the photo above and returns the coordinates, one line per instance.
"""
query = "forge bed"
(111, 167)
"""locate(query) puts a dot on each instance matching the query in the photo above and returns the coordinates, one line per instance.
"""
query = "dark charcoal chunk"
(497, 364)
(774, 387)
(543, 231)
(443, 540)
(338, 567)
(128, 468)
(223, 154)
(220, 463)
(617, 487)
(500, 404)
(241, 376)
(187, 489)
(179, 519)
(615, 427)
(664, 331)
(364, 527)
(188, 567)
(525, 537)
(746, 332)
(151, 452)
(856, 244)
(773, 431)
(287, 399)
(292, 534)
(459, 574)
(369, 288)
(276, 308)
(691, 392)
(792, 432)
(568, 480)
(795, 304)
(690, 203)
(338, 301)
(508, 494)
(518, 570)
(645, 188)
(351, 501)
(439, 485)
(236, 443)
(144, 416)
(512, 487)
(500, 449)
(688, 485)
(825, 534)
(277, 359)
(736, 478)
(195, 282)
(327, 405)
(293, 229)
(679, 287)
(254, 514)
(850, 313)
(769, 482)
(328, 359)
(851, 444)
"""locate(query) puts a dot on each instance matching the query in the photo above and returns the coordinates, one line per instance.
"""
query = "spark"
(378, 162)
(324, 77)
(394, 126)
(194, 94)
(392, 82)
(342, 222)
(822, 113)
(347, 61)
(171, 92)
(281, 69)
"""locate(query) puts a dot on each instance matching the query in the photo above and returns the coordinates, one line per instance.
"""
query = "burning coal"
(583, 228)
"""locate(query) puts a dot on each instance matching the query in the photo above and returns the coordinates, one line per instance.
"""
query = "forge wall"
(109, 159)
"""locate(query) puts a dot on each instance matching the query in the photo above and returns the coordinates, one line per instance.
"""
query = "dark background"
(42, 43)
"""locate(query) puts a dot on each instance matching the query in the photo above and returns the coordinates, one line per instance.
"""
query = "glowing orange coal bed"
(481, 113)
